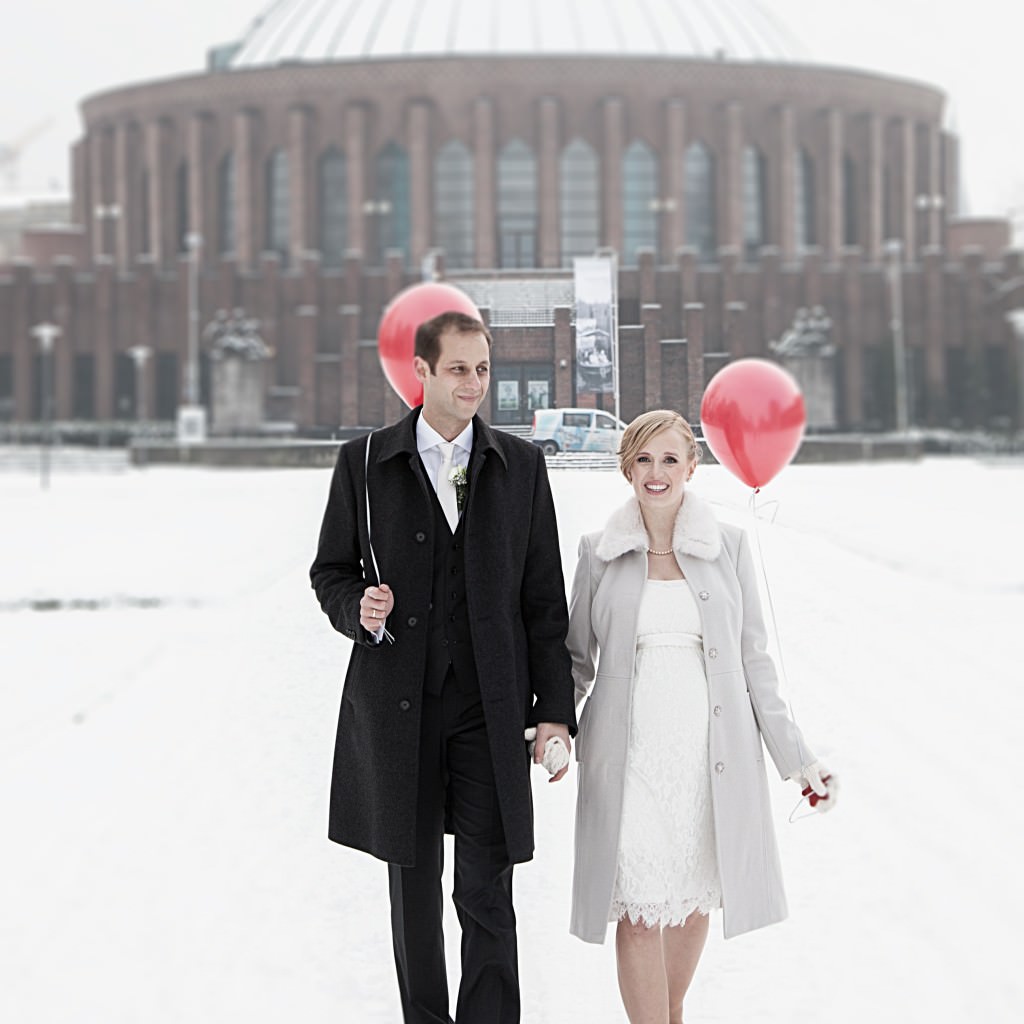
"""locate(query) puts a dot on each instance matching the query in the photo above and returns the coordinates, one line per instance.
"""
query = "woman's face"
(661, 469)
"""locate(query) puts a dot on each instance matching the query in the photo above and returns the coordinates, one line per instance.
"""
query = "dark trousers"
(456, 773)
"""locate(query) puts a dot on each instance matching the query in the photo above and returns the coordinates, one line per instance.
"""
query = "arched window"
(639, 200)
(332, 192)
(277, 201)
(699, 189)
(579, 200)
(454, 203)
(391, 206)
(755, 232)
(804, 200)
(517, 205)
(850, 204)
(226, 200)
(181, 198)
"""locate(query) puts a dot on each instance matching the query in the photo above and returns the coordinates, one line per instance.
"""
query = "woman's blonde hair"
(636, 436)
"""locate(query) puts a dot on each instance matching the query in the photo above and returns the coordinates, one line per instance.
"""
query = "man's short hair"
(428, 334)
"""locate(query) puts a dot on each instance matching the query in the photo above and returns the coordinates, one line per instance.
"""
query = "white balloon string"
(783, 675)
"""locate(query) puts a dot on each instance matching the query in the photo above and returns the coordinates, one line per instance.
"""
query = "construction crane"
(10, 154)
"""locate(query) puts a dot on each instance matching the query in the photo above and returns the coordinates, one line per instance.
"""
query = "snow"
(166, 735)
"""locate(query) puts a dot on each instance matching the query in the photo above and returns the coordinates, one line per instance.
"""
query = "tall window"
(226, 200)
(699, 171)
(145, 235)
(804, 200)
(850, 204)
(390, 209)
(639, 200)
(579, 200)
(755, 232)
(277, 202)
(454, 203)
(332, 189)
(181, 191)
(517, 205)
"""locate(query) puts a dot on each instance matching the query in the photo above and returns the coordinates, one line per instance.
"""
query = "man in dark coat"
(439, 558)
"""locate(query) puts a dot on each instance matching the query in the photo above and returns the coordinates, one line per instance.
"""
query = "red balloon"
(396, 335)
(753, 419)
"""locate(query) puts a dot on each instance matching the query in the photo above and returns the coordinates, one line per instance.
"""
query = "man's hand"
(545, 731)
(375, 606)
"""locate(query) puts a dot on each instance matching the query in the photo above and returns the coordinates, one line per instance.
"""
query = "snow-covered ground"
(166, 737)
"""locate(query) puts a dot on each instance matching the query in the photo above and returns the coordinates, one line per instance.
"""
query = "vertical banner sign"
(593, 279)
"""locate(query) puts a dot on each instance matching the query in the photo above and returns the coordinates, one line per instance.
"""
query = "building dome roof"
(315, 31)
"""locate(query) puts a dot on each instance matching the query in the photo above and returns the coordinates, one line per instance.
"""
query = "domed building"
(338, 152)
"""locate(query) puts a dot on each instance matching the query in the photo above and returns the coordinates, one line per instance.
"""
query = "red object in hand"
(812, 797)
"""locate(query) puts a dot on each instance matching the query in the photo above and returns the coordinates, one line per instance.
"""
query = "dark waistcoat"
(449, 647)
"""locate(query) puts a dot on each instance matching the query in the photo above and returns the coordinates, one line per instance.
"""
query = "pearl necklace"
(651, 551)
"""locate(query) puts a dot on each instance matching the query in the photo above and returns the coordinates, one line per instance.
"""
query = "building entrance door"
(519, 389)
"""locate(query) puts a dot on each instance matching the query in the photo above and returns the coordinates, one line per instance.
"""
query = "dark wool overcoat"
(517, 615)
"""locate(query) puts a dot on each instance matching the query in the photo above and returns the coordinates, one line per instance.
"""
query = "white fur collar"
(696, 531)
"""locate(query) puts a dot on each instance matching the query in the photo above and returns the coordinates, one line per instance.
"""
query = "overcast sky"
(53, 53)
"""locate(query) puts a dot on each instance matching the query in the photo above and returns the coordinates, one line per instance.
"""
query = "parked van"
(575, 430)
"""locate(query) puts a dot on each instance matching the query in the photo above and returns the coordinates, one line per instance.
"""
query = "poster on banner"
(594, 283)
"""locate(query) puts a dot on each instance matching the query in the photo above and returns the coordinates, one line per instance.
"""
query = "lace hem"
(664, 915)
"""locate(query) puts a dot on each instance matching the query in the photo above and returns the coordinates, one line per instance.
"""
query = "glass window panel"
(333, 197)
(392, 211)
(754, 230)
(639, 200)
(454, 203)
(579, 201)
(277, 203)
(699, 188)
(517, 205)
(226, 200)
(804, 199)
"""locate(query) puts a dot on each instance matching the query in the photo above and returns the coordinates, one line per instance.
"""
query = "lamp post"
(894, 275)
(46, 334)
(191, 414)
(139, 354)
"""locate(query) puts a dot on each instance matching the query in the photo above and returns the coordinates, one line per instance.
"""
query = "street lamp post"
(139, 354)
(46, 334)
(894, 274)
(191, 414)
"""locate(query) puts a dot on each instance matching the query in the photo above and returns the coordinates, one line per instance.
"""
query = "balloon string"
(783, 675)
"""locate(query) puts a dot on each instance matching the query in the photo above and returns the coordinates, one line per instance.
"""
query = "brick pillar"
(936, 215)
(951, 175)
(144, 303)
(686, 261)
(564, 371)
(782, 194)
(728, 260)
(247, 244)
(22, 343)
(349, 365)
(301, 174)
(101, 173)
(394, 407)
(547, 185)
(161, 194)
(126, 185)
(974, 333)
(64, 316)
(906, 178)
(307, 322)
(935, 383)
(674, 219)
(646, 275)
(875, 191)
(611, 174)
(834, 148)
(355, 154)
(773, 317)
(812, 277)
(693, 327)
(650, 318)
(730, 205)
(484, 158)
(849, 336)
(420, 177)
(103, 345)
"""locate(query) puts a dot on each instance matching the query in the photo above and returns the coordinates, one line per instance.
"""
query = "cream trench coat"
(742, 693)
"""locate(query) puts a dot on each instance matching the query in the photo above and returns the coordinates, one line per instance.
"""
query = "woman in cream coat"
(667, 532)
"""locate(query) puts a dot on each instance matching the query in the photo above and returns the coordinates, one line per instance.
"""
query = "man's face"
(453, 392)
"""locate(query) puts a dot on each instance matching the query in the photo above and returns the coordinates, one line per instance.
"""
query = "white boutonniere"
(458, 477)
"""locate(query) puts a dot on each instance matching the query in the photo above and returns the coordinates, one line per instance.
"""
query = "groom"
(459, 645)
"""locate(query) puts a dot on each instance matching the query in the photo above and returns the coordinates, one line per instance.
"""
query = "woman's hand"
(819, 785)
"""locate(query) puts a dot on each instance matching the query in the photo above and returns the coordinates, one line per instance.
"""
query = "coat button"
(720, 767)
(411, 621)
(718, 709)
(420, 536)
(404, 705)
(712, 652)
(703, 595)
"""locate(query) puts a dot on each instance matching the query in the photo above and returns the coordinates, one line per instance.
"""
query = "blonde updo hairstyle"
(639, 433)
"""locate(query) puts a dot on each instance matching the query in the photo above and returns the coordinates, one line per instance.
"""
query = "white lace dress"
(667, 865)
